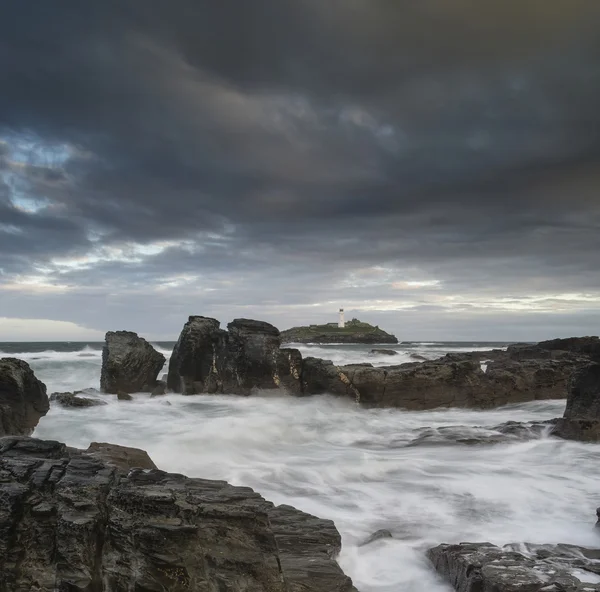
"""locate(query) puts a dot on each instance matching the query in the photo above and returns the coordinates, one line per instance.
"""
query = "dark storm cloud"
(274, 142)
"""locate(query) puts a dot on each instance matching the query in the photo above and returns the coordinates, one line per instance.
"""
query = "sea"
(412, 473)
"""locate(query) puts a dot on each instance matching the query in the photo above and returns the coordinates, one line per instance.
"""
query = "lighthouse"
(341, 322)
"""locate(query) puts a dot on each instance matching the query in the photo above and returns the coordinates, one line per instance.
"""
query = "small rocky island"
(353, 331)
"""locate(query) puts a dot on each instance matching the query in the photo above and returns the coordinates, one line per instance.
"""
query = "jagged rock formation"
(581, 420)
(207, 359)
(482, 567)
(129, 363)
(23, 399)
(355, 331)
(447, 382)
(74, 400)
(74, 520)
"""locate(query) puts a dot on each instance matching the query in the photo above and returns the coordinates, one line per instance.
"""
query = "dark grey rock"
(122, 457)
(23, 398)
(376, 536)
(87, 521)
(129, 363)
(240, 361)
(74, 400)
(581, 420)
(483, 567)
(160, 389)
(384, 352)
(121, 396)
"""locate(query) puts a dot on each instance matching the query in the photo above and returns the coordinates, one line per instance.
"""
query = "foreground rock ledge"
(23, 399)
(129, 364)
(77, 521)
(482, 567)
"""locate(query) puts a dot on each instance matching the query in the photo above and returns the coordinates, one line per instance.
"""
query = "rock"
(121, 396)
(384, 352)
(240, 361)
(376, 536)
(23, 399)
(482, 567)
(510, 431)
(129, 363)
(307, 550)
(73, 400)
(159, 390)
(122, 457)
(581, 420)
(452, 381)
(73, 521)
(418, 357)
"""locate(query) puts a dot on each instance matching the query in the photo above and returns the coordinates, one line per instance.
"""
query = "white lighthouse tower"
(341, 322)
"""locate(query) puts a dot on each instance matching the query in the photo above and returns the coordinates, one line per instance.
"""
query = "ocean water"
(365, 469)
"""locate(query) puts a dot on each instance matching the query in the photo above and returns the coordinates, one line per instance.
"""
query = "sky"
(432, 166)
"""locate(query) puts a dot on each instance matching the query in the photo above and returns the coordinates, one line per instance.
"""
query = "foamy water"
(328, 457)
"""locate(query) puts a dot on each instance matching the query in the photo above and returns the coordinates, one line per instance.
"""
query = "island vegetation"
(354, 331)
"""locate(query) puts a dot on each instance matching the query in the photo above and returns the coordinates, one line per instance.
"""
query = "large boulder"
(246, 358)
(129, 363)
(71, 520)
(23, 399)
(581, 420)
(483, 567)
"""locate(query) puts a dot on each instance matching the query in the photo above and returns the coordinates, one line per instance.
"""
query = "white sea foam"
(330, 458)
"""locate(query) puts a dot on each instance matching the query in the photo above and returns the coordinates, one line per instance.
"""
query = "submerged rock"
(160, 389)
(74, 400)
(244, 359)
(129, 363)
(376, 536)
(121, 396)
(581, 420)
(23, 398)
(482, 567)
(384, 352)
(75, 520)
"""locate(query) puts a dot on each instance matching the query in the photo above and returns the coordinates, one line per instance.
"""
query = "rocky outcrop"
(74, 400)
(447, 382)
(23, 399)
(246, 358)
(129, 363)
(581, 420)
(483, 567)
(71, 520)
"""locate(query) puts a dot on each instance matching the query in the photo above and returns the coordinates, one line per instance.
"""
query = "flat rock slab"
(483, 567)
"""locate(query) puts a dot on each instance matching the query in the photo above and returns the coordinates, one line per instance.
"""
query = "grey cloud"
(292, 142)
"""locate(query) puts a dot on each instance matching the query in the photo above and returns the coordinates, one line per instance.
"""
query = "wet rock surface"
(245, 358)
(129, 363)
(483, 567)
(74, 400)
(581, 420)
(73, 520)
(23, 398)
